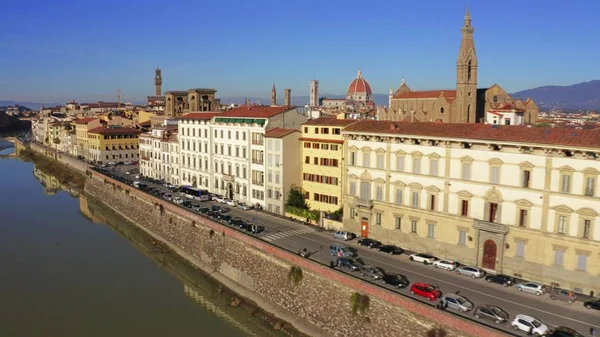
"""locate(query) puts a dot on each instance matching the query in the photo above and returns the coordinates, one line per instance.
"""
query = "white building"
(508, 116)
(283, 167)
(195, 149)
(159, 153)
(514, 200)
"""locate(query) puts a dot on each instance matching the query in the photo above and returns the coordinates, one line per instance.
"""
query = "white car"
(445, 264)
(423, 258)
(178, 200)
(528, 323)
(231, 203)
(220, 199)
(343, 235)
(244, 206)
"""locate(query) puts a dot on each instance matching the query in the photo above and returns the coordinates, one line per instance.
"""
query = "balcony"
(364, 202)
(258, 182)
(258, 161)
(257, 142)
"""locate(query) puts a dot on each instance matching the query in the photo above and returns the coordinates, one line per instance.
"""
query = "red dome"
(359, 85)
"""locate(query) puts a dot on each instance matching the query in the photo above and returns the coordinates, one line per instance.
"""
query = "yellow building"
(113, 144)
(322, 162)
(81, 133)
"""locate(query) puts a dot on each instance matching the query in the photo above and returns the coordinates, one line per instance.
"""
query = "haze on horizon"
(58, 51)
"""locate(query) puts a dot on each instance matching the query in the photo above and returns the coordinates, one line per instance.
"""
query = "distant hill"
(30, 105)
(21, 108)
(585, 95)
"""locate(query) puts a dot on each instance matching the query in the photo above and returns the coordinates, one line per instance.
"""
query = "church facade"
(464, 104)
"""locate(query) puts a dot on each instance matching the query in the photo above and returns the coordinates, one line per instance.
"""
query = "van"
(340, 251)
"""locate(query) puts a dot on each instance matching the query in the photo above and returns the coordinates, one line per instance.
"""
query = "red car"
(425, 290)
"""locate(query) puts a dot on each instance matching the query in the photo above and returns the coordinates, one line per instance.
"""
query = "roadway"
(293, 236)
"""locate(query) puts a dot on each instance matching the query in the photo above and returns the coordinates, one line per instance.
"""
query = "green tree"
(295, 198)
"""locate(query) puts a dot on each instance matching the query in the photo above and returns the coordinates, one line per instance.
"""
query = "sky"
(55, 51)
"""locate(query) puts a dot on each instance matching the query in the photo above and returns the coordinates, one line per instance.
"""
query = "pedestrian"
(592, 332)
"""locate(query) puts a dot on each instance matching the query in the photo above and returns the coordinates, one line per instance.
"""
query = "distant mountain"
(380, 99)
(585, 95)
(30, 105)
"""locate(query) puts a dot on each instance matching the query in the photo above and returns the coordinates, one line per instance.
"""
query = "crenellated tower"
(157, 82)
(466, 75)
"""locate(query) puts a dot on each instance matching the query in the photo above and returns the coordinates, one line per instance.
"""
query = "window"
(379, 193)
(582, 261)
(276, 177)
(587, 228)
(378, 219)
(416, 165)
(415, 199)
(365, 190)
(590, 184)
(398, 222)
(492, 211)
(413, 226)
(561, 227)
(352, 158)
(270, 160)
(464, 208)
(525, 178)
(353, 188)
(305, 129)
(337, 131)
(366, 157)
(269, 176)
(307, 160)
(495, 175)
(466, 171)
(462, 237)
(400, 163)
(277, 159)
(398, 196)
(520, 249)
(433, 167)
(559, 257)
(237, 135)
(430, 230)
(380, 161)
(565, 183)
(352, 212)
(333, 147)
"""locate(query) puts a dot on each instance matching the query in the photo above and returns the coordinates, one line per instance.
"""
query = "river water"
(71, 267)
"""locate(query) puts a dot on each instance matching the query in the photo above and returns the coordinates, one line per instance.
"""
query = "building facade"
(520, 202)
(322, 163)
(82, 126)
(114, 144)
(283, 167)
(196, 148)
(179, 103)
(159, 153)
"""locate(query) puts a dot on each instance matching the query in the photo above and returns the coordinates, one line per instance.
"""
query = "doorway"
(364, 228)
(230, 191)
(489, 255)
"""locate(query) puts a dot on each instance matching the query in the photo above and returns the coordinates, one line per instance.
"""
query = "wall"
(61, 157)
(322, 297)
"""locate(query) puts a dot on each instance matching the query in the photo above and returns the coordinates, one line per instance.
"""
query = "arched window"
(469, 71)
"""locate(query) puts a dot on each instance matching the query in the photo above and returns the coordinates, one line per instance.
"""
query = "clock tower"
(157, 82)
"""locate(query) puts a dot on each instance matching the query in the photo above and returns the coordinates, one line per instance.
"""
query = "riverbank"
(64, 174)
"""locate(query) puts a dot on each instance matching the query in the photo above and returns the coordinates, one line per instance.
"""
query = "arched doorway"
(230, 191)
(489, 255)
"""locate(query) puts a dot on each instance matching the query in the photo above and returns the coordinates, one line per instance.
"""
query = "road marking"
(471, 290)
(281, 235)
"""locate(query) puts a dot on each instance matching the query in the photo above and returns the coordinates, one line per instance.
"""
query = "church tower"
(157, 82)
(314, 94)
(466, 76)
(273, 96)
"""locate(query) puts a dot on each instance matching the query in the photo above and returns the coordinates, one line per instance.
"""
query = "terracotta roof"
(103, 104)
(508, 133)
(279, 132)
(258, 111)
(201, 115)
(146, 123)
(426, 94)
(359, 85)
(328, 121)
(323, 140)
(113, 131)
(85, 120)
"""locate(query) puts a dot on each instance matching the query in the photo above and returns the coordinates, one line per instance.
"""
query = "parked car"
(187, 204)
(592, 304)
(216, 197)
(372, 272)
(504, 280)
(223, 200)
(531, 287)
(456, 302)
(347, 262)
(231, 203)
(424, 258)
(529, 323)
(445, 264)
(491, 313)
(470, 271)
(338, 250)
(425, 290)
(178, 200)
(395, 280)
(563, 295)
(220, 199)
(563, 331)
(391, 249)
(244, 206)
(343, 235)
(366, 242)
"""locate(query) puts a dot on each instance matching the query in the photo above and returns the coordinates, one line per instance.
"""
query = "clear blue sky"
(52, 51)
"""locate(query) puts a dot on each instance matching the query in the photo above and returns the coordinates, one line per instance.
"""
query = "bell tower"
(273, 95)
(157, 81)
(466, 75)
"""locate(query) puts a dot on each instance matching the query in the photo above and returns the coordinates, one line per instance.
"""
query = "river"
(72, 267)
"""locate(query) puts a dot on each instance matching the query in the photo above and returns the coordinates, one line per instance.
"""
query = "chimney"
(287, 97)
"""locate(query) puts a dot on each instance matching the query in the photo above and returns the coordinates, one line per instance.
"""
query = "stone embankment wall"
(64, 158)
(321, 296)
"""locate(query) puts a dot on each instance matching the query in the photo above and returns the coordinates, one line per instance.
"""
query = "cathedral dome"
(359, 86)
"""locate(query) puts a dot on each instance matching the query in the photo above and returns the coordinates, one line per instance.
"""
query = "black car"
(396, 280)
(347, 262)
(592, 304)
(563, 331)
(391, 249)
(187, 204)
(369, 243)
(504, 280)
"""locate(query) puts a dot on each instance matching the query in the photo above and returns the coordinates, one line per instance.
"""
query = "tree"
(295, 198)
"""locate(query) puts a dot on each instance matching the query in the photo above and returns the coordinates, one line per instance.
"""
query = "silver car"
(531, 287)
(470, 271)
(456, 302)
(343, 235)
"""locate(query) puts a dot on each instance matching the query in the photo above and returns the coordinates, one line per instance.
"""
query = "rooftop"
(113, 131)
(258, 111)
(200, 115)
(426, 94)
(85, 120)
(329, 121)
(279, 132)
(508, 133)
